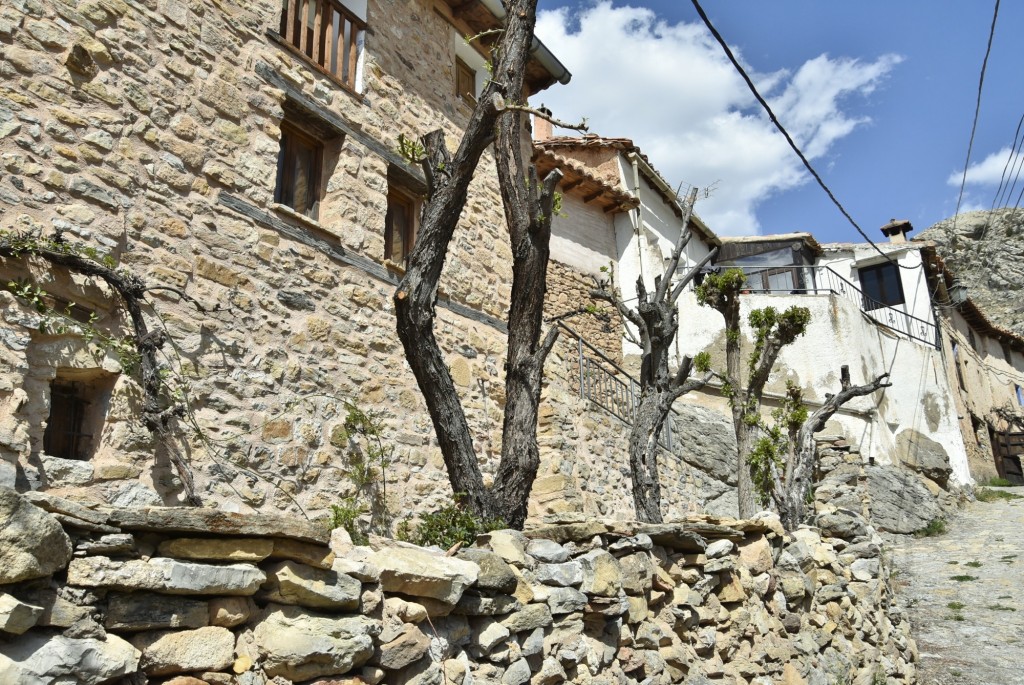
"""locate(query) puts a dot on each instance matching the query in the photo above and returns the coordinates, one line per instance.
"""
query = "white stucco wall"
(920, 401)
(583, 236)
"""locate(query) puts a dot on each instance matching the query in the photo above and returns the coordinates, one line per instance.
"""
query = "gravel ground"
(964, 590)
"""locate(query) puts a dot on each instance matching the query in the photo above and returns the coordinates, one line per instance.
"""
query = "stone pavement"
(963, 590)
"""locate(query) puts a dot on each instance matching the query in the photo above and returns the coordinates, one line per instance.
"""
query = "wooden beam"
(593, 196)
(566, 187)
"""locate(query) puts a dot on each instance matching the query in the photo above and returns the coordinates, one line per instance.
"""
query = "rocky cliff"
(986, 251)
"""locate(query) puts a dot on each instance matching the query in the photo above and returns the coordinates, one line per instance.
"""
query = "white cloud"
(988, 171)
(670, 88)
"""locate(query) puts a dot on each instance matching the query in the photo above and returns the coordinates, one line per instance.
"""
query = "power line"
(785, 133)
(977, 110)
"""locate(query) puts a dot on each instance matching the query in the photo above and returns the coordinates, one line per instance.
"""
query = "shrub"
(934, 527)
(963, 578)
(345, 515)
(997, 483)
(986, 495)
(447, 526)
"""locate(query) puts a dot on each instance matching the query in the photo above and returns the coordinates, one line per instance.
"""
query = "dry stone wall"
(186, 596)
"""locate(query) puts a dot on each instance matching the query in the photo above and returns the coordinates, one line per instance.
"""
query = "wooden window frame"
(291, 133)
(464, 70)
(881, 272)
(400, 194)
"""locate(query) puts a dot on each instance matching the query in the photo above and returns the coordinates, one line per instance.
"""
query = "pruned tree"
(772, 332)
(656, 319)
(789, 481)
(529, 206)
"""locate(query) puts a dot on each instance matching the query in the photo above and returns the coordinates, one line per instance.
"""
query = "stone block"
(289, 582)
(300, 645)
(204, 649)
(36, 657)
(16, 616)
(32, 543)
(165, 575)
(138, 611)
(217, 549)
(420, 573)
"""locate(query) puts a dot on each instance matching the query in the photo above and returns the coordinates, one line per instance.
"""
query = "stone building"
(245, 158)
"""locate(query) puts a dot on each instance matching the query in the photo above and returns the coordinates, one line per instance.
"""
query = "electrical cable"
(785, 133)
(977, 110)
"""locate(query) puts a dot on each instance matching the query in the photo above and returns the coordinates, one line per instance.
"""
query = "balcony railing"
(325, 33)
(821, 280)
(609, 386)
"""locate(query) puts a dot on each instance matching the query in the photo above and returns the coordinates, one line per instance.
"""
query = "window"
(881, 285)
(1020, 395)
(465, 82)
(78, 407)
(299, 167)
(399, 224)
(326, 33)
(972, 340)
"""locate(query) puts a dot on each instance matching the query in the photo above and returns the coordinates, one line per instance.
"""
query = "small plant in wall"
(360, 437)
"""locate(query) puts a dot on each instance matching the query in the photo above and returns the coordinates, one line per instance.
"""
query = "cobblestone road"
(965, 593)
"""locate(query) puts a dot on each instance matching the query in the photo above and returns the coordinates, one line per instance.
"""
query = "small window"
(465, 82)
(326, 33)
(78, 407)
(881, 285)
(299, 167)
(1020, 395)
(400, 224)
(1007, 354)
(971, 340)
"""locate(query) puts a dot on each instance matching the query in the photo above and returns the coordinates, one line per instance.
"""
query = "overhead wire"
(977, 110)
(789, 139)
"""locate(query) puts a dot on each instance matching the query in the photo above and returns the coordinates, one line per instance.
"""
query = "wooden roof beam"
(593, 196)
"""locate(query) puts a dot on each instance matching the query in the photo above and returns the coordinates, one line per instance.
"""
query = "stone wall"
(569, 299)
(188, 596)
(149, 130)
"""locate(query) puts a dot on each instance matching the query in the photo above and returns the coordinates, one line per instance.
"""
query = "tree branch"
(690, 275)
(180, 293)
(505, 106)
(626, 312)
(684, 237)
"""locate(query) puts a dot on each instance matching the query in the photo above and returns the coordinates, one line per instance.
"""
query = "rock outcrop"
(986, 252)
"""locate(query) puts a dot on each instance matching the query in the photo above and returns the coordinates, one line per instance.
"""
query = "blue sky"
(881, 94)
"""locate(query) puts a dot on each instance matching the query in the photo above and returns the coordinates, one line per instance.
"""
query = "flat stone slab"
(167, 576)
(216, 522)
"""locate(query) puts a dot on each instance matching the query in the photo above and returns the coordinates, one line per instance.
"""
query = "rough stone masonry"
(188, 596)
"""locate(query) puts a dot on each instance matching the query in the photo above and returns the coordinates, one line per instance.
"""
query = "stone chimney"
(896, 230)
(541, 126)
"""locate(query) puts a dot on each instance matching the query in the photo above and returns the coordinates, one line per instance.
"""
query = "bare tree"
(789, 488)
(528, 207)
(772, 332)
(656, 318)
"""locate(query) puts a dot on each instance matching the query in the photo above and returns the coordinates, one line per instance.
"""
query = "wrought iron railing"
(821, 280)
(609, 386)
(326, 33)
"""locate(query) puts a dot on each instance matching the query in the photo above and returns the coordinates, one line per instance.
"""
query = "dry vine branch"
(157, 413)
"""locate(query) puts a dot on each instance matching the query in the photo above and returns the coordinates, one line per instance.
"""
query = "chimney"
(896, 230)
(541, 126)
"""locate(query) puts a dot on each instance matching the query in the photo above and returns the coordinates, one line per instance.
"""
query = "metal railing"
(821, 280)
(609, 386)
